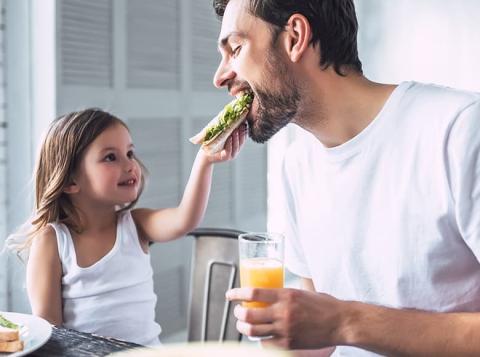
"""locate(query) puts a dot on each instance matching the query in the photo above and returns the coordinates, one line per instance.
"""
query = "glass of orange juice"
(261, 262)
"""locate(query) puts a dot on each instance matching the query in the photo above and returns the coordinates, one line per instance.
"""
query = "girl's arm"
(44, 277)
(170, 223)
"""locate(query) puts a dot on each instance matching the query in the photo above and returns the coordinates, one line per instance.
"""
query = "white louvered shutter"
(153, 38)
(86, 43)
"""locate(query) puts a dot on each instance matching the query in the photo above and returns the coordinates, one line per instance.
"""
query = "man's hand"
(297, 319)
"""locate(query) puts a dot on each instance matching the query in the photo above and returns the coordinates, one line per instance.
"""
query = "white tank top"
(113, 297)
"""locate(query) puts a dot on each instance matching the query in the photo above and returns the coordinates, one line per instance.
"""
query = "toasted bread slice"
(215, 134)
(198, 138)
(216, 144)
(11, 346)
(8, 334)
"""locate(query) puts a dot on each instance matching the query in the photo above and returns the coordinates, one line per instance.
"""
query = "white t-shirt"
(113, 297)
(392, 217)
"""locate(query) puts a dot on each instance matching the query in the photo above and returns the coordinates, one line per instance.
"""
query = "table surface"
(66, 342)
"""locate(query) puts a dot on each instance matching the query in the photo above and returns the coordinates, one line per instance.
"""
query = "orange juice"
(260, 273)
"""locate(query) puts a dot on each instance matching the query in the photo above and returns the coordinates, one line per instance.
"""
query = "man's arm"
(301, 319)
(411, 333)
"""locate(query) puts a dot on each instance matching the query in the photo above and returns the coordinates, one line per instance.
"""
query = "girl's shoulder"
(45, 237)
(44, 244)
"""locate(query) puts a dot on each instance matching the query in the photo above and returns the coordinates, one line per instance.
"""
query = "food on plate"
(11, 346)
(6, 323)
(9, 336)
(215, 134)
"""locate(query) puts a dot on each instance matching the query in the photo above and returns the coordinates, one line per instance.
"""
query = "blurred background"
(151, 63)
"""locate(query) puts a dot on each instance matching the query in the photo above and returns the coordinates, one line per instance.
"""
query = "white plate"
(34, 332)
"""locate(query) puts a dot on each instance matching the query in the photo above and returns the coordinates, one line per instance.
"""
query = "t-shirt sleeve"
(294, 256)
(463, 152)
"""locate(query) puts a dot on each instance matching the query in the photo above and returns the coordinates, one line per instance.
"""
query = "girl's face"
(108, 173)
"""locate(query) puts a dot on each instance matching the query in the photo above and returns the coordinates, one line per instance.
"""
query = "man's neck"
(339, 108)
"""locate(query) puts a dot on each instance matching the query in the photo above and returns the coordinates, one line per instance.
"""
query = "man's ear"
(71, 188)
(298, 35)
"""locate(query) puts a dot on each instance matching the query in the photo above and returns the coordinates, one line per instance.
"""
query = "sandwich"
(9, 336)
(213, 136)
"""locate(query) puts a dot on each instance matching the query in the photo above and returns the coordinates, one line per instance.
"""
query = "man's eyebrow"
(222, 43)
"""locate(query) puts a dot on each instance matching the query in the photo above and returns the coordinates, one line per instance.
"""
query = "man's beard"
(275, 108)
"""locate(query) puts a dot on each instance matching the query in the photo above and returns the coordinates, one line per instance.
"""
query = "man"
(382, 199)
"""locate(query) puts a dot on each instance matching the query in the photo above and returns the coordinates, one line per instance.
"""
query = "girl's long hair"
(60, 154)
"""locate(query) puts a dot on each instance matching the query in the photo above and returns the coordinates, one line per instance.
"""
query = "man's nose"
(223, 75)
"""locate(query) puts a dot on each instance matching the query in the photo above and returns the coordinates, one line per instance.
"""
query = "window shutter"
(86, 42)
(252, 186)
(157, 146)
(3, 165)
(153, 39)
(205, 57)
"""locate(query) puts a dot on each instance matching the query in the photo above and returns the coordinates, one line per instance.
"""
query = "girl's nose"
(129, 165)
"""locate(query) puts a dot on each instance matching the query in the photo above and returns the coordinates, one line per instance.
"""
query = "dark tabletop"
(66, 342)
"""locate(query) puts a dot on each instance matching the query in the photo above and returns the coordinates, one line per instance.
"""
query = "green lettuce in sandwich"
(215, 134)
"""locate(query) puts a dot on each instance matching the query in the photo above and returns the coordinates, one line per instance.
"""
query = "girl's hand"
(232, 146)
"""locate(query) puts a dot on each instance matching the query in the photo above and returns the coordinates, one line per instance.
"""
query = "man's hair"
(333, 23)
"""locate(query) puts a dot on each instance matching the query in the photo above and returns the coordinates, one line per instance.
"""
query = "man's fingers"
(284, 343)
(255, 330)
(252, 294)
(260, 315)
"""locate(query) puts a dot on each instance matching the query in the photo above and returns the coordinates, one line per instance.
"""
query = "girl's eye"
(236, 51)
(110, 157)
(130, 154)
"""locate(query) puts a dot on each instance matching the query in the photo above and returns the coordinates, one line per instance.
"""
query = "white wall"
(18, 116)
(3, 164)
(423, 40)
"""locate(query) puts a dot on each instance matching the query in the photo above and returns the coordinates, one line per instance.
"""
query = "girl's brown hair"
(60, 154)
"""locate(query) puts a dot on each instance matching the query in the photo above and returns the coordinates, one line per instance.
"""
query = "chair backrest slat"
(214, 271)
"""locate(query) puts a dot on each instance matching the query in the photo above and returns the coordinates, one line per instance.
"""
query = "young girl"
(88, 266)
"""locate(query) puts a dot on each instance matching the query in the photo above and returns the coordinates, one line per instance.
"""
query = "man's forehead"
(236, 20)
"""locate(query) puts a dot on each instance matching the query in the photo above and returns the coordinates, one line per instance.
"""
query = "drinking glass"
(261, 262)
